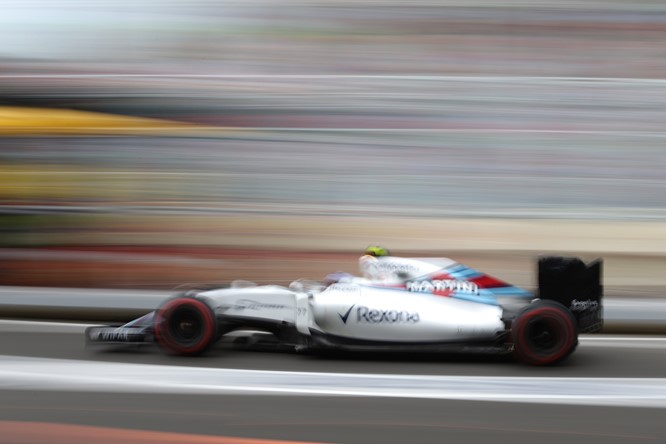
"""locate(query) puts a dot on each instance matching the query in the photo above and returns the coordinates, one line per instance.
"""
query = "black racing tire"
(544, 333)
(185, 326)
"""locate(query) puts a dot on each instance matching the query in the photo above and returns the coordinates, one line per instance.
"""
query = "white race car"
(402, 304)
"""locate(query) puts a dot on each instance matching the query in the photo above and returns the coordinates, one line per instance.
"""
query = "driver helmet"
(376, 251)
(368, 262)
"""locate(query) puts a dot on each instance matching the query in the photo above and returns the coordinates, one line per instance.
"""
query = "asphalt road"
(340, 419)
(327, 418)
(597, 356)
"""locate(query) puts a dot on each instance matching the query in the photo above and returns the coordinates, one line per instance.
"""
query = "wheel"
(544, 333)
(185, 326)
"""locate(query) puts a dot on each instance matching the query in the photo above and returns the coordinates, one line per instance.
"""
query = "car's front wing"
(138, 331)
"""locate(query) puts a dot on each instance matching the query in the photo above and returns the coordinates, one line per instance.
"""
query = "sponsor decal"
(396, 267)
(345, 316)
(248, 304)
(374, 316)
(344, 287)
(589, 304)
(474, 330)
(119, 334)
(442, 285)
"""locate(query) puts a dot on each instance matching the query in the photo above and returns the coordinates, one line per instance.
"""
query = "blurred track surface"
(597, 356)
(340, 418)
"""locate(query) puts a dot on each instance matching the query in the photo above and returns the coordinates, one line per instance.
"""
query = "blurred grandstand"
(289, 125)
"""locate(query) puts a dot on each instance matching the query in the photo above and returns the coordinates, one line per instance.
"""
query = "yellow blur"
(43, 182)
(41, 121)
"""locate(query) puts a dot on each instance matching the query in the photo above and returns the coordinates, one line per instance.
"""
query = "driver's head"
(376, 251)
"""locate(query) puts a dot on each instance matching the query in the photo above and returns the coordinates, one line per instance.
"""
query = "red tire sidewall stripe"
(164, 337)
(551, 313)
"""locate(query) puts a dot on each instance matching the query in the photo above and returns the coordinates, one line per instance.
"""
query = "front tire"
(544, 333)
(185, 326)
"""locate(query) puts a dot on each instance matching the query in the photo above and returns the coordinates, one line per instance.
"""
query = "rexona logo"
(443, 285)
(375, 316)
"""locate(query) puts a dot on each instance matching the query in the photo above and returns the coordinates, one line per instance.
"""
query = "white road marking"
(19, 373)
(636, 342)
(602, 338)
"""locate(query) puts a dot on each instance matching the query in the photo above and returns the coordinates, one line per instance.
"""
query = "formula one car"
(406, 304)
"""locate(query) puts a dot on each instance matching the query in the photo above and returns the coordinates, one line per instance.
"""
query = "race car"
(399, 304)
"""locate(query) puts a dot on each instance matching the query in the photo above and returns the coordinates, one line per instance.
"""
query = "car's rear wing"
(576, 285)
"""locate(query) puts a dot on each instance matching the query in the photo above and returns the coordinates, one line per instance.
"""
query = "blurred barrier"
(158, 267)
(77, 304)
(637, 315)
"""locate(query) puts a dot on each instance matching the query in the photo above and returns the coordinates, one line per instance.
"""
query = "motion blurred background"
(146, 144)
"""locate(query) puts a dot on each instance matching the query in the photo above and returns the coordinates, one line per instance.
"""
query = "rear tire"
(185, 326)
(544, 333)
